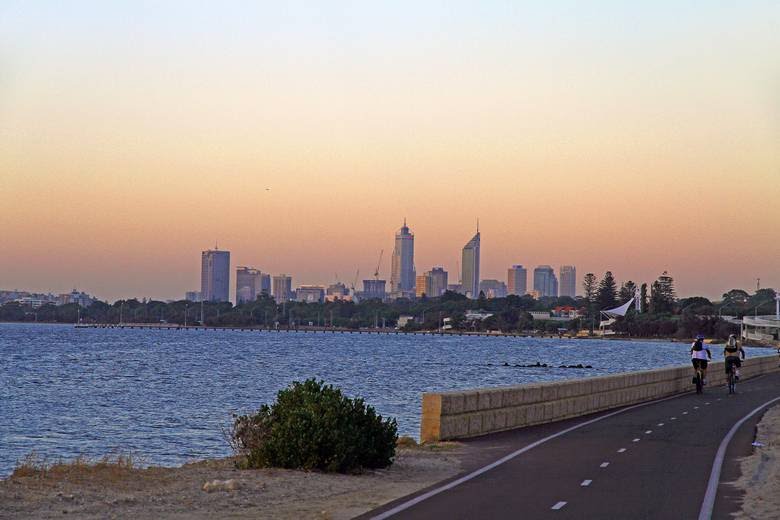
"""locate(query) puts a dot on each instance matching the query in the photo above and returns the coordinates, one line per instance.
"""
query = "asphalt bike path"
(647, 461)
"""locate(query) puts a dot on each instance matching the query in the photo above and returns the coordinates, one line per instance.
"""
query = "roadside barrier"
(470, 413)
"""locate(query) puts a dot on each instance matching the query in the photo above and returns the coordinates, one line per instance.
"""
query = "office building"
(438, 280)
(545, 281)
(193, 296)
(517, 280)
(493, 288)
(568, 281)
(402, 275)
(422, 286)
(248, 284)
(265, 284)
(310, 294)
(373, 289)
(337, 291)
(470, 267)
(215, 275)
(282, 288)
(455, 287)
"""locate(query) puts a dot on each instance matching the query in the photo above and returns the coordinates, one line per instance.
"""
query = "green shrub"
(314, 426)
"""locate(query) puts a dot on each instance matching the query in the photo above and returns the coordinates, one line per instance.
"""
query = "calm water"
(166, 395)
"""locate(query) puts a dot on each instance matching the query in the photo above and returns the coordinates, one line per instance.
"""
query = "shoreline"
(190, 490)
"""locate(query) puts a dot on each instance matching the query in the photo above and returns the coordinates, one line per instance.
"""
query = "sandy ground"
(178, 492)
(760, 478)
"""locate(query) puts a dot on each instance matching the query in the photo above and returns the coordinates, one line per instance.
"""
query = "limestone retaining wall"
(456, 415)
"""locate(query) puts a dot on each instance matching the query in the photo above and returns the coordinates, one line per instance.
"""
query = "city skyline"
(298, 135)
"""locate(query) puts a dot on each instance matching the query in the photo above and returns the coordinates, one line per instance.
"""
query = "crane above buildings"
(378, 265)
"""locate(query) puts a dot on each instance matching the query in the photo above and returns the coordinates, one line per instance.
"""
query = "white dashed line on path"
(695, 407)
(660, 424)
(706, 403)
(621, 450)
(558, 505)
(585, 483)
(604, 464)
(648, 432)
(685, 413)
(636, 440)
(674, 418)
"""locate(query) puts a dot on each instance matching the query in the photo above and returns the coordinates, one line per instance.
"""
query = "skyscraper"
(470, 267)
(545, 281)
(215, 275)
(282, 288)
(493, 288)
(438, 280)
(517, 280)
(402, 275)
(568, 281)
(248, 284)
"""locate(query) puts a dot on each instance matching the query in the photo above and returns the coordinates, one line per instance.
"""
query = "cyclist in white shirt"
(700, 354)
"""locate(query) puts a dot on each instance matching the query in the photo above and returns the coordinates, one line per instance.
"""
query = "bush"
(314, 426)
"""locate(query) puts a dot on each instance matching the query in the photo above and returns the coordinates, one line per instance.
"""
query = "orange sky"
(632, 139)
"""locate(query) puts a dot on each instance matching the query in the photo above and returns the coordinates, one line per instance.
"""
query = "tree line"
(663, 314)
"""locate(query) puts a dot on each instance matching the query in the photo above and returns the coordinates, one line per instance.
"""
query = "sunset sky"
(298, 135)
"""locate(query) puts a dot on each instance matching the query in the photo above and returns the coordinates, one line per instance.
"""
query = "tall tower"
(402, 275)
(214, 275)
(568, 281)
(470, 267)
(545, 281)
(517, 280)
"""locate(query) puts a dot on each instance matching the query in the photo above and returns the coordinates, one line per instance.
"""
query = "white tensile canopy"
(619, 311)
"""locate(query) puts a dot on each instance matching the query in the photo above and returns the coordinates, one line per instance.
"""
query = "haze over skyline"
(624, 137)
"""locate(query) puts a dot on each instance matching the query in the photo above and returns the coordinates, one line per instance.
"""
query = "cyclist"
(733, 352)
(700, 354)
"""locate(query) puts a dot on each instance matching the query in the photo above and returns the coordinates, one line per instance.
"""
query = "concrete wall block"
(455, 427)
(532, 394)
(470, 402)
(500, 419)
(511, 397)
(453, 403)
(549, 392)
(475, 424)
(520, 416)
(496, 399)
(483, 401)
(488, 421)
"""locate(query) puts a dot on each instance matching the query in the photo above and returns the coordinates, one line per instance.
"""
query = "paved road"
(651, 461)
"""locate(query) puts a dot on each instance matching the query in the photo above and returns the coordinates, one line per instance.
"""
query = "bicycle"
(698, 380)
(731, 376)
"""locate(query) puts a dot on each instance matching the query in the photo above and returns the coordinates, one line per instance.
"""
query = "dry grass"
(107, 469)
(406, 442)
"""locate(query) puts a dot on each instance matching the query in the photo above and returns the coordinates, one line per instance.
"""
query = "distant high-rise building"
(282, 288)
(470, 267)
(493, 288)
(438, 280)
(248, 284)
(193, 296)
(265, 284)
(545, 281)
(422, 285)
(373, 289)
(402, 275)
(455, 287)
(310, 294)
(517, 280)
(215, 275)
(337, 291)
(568, 280)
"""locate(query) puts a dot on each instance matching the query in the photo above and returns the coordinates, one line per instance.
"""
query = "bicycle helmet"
(699, 336)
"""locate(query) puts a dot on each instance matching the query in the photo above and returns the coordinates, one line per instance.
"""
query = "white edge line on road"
(425, 496)
(604, 464)
(558, 505)
(708, 503)
(585, 483)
